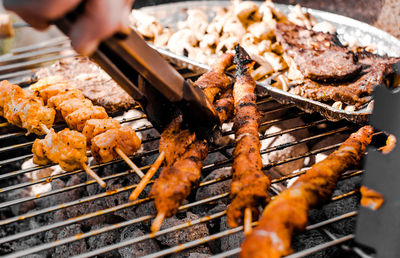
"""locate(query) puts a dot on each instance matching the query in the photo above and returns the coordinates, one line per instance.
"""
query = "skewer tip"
(45, 129)
(157, 223)
(247, 221)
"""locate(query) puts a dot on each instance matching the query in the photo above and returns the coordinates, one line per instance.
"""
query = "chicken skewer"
(77, 111)
(24, 110)
(249, 184)
(174, 141)
(289, 210)
(67, 148)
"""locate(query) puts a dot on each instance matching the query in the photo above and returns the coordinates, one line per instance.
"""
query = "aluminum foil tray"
(348, 30)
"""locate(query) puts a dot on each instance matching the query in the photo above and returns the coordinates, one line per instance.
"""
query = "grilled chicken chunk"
(67, 148)
(25, 110)
(103, 145)
(94, 127)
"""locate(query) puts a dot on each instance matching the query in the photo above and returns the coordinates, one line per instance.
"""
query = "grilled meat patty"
(319, 56)
(95, 84)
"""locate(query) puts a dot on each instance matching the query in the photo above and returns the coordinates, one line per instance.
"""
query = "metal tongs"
(163, 92)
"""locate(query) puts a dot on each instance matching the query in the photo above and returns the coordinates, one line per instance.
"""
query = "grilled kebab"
(102, 133)
(23, 109)
(289, 210)
(185, 153)
(249, 184)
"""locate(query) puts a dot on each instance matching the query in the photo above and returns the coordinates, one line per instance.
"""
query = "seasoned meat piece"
(25, 110)
(289, 210)
(175, 141)
(249, 184)
(68, 106)
(5, 88)
(103, 145)
(175, 183)
(67, 148)
(95, 127)
(215, 81)
(95, 84)
(224, 106)
(77, 119)
(376, 70)
(56, 100)
(50, 86)
(319, 56)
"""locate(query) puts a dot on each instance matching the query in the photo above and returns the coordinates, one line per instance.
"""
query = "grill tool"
(150, 80)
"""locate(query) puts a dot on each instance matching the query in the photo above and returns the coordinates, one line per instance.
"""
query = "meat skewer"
(80, 114)
(289, 210)
(249, 184)
(24, 110)
(67, 148)
(174, 140)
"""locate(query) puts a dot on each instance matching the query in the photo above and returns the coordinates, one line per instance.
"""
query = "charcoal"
(56, 198)
(213, 190)
(138, 249)
(68, 250)
(199, 251)
(232, 241)
(102, 240)
(185, 235)
(310, 239)
(342, 206)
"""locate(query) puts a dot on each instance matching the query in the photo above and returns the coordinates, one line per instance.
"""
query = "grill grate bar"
(99, 213)
(321, 247)
(52, 50)
(45, 44)
(33, 63)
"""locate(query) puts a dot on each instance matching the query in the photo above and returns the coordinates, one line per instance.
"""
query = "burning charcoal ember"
(288, 152)
(68, 250)
(138, 249)
(101, 240)
(185, 235)
(213, 190)
(215, 157)
(232, 241)
(24, 244)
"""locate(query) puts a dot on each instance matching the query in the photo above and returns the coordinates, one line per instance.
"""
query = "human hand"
(101, 18)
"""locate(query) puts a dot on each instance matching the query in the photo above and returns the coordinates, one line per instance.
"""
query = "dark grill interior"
(67, 214)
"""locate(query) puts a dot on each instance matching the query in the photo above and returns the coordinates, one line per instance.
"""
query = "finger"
(102, 18)
(41, 9)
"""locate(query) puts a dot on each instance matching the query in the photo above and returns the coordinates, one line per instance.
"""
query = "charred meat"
(249, 184)
(289, 210)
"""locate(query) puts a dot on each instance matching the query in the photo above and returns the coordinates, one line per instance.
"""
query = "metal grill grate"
(19, 68)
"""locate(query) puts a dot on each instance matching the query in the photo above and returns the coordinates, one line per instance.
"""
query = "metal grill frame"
(20, 70)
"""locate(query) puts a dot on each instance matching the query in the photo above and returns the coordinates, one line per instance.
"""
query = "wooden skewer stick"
(129, 162)
(150, 173)
(157, 222)
(91, 173)
(247, 221)
(45, 129)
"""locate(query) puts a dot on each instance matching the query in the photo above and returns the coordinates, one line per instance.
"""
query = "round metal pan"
(349, 30)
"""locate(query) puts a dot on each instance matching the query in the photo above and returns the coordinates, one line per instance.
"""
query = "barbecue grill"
(18, 227)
